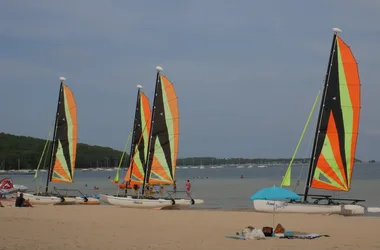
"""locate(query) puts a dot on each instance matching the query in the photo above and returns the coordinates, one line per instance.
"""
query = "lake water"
(224, 189)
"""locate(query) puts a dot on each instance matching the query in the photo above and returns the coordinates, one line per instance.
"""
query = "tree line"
(24, 152)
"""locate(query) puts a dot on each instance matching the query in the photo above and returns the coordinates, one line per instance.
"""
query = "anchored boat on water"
(154, 148)
(63, 153)
(333, 154)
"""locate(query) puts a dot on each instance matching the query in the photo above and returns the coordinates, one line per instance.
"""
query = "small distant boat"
(261, 166)
(63, 153)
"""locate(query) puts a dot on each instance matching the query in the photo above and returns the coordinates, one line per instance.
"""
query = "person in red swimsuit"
(188, 186)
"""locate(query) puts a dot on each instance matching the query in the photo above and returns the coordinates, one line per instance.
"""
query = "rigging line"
(117, 175)
(43, 152)
(41, 176)
(307, 152)
(310, 143)
(43, 156)
(122, 158)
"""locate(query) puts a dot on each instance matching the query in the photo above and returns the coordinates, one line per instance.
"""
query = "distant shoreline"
(24, 152)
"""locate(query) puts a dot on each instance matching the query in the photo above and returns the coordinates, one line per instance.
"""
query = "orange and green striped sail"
(139, 144)
(163, 150)
(334, 148)
(65, 139)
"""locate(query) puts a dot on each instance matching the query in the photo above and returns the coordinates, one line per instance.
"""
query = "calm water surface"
(224, 188)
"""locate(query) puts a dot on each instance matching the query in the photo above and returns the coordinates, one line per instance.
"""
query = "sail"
(136, 169)
(164, 136)
(335, 146)
(65, 141)
(288, 175)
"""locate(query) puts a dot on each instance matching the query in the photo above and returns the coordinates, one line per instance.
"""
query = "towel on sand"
(304, 236)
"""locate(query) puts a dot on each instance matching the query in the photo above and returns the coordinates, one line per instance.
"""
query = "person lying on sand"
(21, 202)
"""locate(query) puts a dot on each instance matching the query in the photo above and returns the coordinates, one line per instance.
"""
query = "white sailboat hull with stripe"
(187, 202)
(43, 200)
(131, 202)
(267, 206)
(52, 200)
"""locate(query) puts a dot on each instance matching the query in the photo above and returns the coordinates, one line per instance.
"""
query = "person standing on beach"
(174, 186)
(136, 188)
(188, 187)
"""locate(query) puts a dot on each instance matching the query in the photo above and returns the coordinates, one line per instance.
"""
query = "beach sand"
(109, 227)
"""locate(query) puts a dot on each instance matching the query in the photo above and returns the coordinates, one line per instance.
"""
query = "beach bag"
(279, 229)
(268, 231)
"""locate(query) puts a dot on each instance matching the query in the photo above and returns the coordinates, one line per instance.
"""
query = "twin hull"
(51, 200)
(308, 208)
(146, 203)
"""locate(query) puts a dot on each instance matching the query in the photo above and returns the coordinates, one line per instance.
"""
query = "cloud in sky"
(246, 72)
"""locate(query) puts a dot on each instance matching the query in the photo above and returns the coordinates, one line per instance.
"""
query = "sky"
(246, 72)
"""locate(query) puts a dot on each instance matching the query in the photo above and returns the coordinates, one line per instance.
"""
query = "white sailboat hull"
(44, 200)
(138, 203)
(20, 188)
(267, 206)
(52, 200)
(104, 198)
(186, 202)
(147, 203)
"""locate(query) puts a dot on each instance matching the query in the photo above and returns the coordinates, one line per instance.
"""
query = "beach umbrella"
(275, 194)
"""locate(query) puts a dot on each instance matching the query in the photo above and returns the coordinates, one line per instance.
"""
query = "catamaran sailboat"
(154, 147)
(63, 152)
(333, 155)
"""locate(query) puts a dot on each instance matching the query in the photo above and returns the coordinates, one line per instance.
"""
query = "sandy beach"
(109, 227)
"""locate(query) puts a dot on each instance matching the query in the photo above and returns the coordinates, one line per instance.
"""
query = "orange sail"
(334, 148)
(65, 139)
(163, 150)
(139, 145)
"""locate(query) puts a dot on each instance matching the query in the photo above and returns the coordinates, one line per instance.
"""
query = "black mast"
(317, 130)
(50, 169)
(146, 177)
(133, 142)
